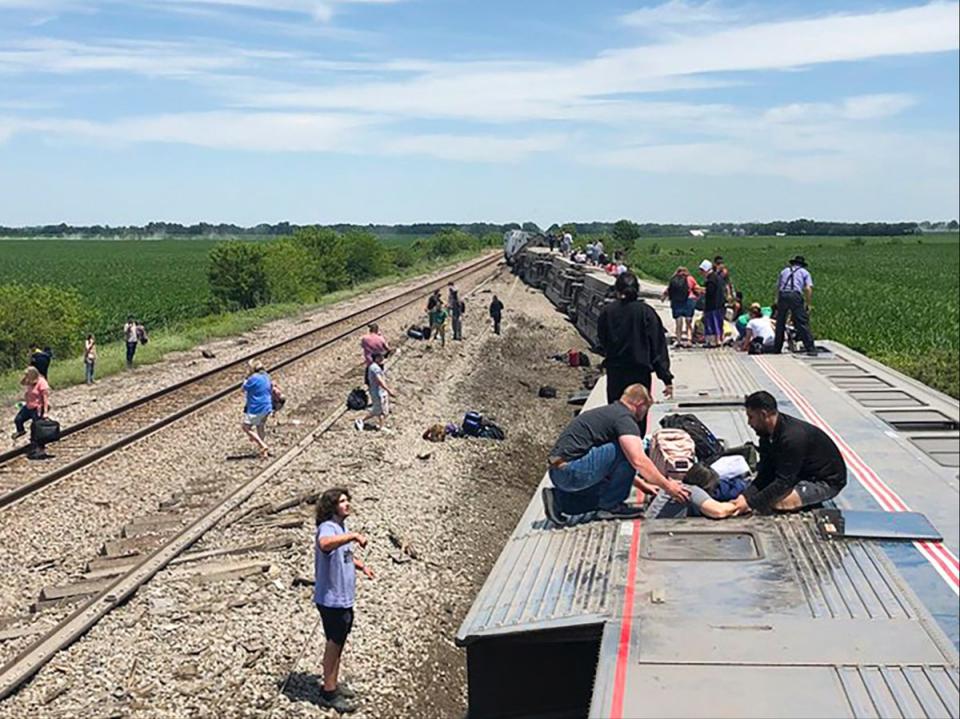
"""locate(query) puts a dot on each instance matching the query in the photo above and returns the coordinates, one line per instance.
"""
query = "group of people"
(600, 455)
(759, 329)
(438, 311)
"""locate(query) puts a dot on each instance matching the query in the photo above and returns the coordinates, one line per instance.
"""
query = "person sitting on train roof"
(702, 483)
(800, 466)
(596, 460)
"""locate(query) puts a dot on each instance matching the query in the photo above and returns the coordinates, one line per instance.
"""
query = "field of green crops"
(895, 299)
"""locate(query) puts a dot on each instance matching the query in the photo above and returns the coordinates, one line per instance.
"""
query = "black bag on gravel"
(547, 392)
(415, 333)
(44, 431)
(357, 399)
(707, 446)
(488, 430)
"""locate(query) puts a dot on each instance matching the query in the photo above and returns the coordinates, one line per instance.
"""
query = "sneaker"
(337, 702)
(621, 511)
(17, 435)
(550, 508)
(345, 691)
(358, 424)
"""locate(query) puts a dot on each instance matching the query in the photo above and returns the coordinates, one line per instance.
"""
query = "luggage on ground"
(708, 447)
(435, 433)
(584, 359)
(415, 333)
(472, 423)
(573, 358)
(488, 430)
(44, 431)
(357, 399)
(673, 452)
(547, 392)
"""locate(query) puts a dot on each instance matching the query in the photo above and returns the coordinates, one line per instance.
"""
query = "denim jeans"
(23, 415)
(601, 479)
(131, 351)
(88, 367)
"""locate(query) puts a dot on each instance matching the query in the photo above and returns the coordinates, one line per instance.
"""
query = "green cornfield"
(896, 300)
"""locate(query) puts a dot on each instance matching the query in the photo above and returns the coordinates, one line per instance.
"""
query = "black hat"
(799, 260)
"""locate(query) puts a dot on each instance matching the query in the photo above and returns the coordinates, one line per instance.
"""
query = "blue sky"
(247, 111)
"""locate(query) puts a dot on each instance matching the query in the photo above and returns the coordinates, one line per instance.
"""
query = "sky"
(398, 111)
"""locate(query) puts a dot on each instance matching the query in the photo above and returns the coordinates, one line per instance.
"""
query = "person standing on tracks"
(334, 589)
(380, 394)
(714, 305)
(597, 458)
(89, 357)
(259, 404)
(372, 343)
(438, 322)
(633, 342)
(496, 313)
(794, 295)
(456, 311)
(800, 466)
(36, 404)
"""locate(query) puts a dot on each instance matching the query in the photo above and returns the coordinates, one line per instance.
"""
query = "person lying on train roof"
(702, 483)
(596, 460)
(800, 466)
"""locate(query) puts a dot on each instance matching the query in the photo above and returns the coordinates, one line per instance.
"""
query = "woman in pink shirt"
(36, 400)
(372, 343)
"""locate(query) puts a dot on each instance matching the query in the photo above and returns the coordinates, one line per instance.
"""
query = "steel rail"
(416, 293)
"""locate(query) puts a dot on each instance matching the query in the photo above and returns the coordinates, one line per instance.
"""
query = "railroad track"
(117, 575)
(87, 441)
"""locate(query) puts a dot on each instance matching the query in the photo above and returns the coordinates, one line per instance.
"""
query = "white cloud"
(678, 12)
(859, 107)
(475, 148)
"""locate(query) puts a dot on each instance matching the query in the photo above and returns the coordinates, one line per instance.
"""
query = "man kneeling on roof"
(596, 460)
(800, 466)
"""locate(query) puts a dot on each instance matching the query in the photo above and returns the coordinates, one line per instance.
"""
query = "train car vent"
(678, 546)
(862, 382)
(885, 398)
(918, 420)
(944, 449)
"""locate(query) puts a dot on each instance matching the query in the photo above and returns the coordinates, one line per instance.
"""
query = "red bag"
(573, 358)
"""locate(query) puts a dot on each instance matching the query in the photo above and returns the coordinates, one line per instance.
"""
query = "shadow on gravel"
(303, 687)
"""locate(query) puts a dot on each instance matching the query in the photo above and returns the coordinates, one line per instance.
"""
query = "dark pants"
(601, 479)
(619, 378)
(496, 325)
(131, 351)
(457, 322)
(792, 303)
(23, 415)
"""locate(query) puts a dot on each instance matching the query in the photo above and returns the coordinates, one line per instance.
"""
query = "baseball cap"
(706, 265)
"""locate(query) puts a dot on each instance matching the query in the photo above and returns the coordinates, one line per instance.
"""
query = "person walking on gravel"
(438, 323)
(36, 404)
(334, 590)
(372, 343)
(259, 404)
(794, 294)
(496, 313)
(89, 357)
(131, 335)
(380, 394)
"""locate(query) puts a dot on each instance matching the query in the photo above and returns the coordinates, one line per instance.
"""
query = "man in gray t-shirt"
(596, 460)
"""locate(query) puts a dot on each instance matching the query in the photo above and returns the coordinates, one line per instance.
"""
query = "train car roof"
(765, 611)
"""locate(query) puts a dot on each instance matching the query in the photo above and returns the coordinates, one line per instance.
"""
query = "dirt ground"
(177, 649)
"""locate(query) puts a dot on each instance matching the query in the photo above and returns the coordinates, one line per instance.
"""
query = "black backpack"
(357, 399)
(678, 290)
(488, 430)
(707, 446)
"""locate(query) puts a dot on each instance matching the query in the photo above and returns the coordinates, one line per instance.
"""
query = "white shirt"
(761, 327)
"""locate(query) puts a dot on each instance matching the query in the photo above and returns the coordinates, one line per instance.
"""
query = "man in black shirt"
(800, 465)
(633, 342)
(40, 358)
(596, 459)
(714, 304)
(496, 313)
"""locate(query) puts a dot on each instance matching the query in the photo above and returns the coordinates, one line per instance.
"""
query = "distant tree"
(402, 256)
(449, 242)
(953, 225)
(236, 274)
(531, 227)
(624, 233)
(366, 257)
(290, 277)
(328, 256)
(50, 316)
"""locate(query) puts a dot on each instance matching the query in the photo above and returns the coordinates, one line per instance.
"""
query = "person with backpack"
(36, 405)
(682, 293)
(335, 568)
(800, 466)
(41, 358)
(633, 342)
(89, 357)
(131, 336)
(380, 394)
(794, 294)
(597, 459)
(258, 390)
(496, 313)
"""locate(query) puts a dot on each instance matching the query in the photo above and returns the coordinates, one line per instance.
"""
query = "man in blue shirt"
(794, 293)
(334, 589)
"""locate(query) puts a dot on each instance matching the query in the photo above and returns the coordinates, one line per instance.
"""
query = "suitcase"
(472, 423)
(673, 452)
(44, 431)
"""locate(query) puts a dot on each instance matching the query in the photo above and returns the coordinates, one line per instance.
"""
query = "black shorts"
(337, 623)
